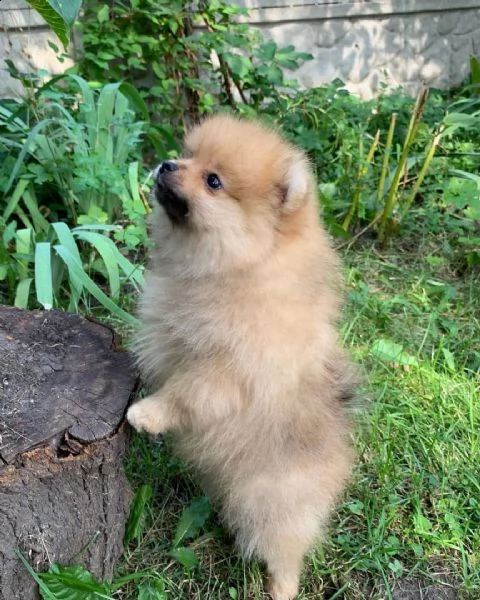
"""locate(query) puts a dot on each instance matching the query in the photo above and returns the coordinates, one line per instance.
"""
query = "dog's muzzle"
(174, 203)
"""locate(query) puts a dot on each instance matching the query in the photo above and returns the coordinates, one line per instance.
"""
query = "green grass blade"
(46, 593)
(15, 198)
(133, 182)
(11, 122)
(65, 236)
(30, 199)
(135, 521)
(24, 247)
(106, 112)
(108, 251)
(76, 270)
(132, 272)
(67, 240)
(22, 293)
(43, 274)
(135, 99)
(22, 215)
(89, 109)
(28, 148)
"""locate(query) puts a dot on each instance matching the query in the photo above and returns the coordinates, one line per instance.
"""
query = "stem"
(423, 171)
(386, 159)
(362, 171)
(392, 195)
(226, 72)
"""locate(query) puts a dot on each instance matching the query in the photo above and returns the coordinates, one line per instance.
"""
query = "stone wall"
(24, 39)
(367, 42)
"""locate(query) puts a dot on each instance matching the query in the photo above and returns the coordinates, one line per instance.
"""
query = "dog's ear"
(296, 185)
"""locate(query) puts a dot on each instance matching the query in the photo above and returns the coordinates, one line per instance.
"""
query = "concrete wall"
(24, 38)
(366, 42)
(362, 42)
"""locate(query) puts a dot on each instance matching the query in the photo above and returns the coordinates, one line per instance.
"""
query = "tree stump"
(64, 497)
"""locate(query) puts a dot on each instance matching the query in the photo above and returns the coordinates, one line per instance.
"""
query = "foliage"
(77, 140)
(186, 59)
(375, 159)
(69, 171)
(76, 583)
(191, 521)
(62, 582)
(59, 15)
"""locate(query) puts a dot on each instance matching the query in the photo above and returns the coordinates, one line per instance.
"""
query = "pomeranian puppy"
(238, 342)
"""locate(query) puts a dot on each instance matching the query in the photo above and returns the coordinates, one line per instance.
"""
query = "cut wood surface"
(64, 388)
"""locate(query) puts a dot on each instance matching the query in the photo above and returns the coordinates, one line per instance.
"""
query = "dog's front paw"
(282, 591)
(147, 415)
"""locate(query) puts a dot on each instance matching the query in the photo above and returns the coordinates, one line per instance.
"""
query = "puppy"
(238, 342)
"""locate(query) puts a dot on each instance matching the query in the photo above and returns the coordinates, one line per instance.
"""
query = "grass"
(412, 511)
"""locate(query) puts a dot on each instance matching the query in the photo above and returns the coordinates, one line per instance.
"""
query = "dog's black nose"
(167, 165)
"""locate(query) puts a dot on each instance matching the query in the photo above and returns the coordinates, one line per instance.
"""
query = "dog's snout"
(167, 165)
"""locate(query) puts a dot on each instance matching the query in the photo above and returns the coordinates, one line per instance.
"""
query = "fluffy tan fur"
(238, 342)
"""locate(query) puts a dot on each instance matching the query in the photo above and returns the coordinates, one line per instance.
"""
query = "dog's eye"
(213, 181)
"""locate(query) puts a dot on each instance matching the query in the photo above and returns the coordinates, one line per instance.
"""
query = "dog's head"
(238, 188)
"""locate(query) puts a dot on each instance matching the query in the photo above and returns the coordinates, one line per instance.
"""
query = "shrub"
(70, 172)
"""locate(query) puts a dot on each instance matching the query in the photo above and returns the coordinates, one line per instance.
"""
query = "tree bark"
(64, 388)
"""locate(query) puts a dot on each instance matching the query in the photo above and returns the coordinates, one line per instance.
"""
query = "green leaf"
(421, 524)
(67, 240)
(396, 567)
(267, 50)
(449, 359)
(28, 148)
(132, 272)
(273, 73)
(43, 274)
(151, 591)
(30, 199)
(73, 583)
(192, 519)
(391, 352)
(76, 271)
(135, 98)
(23, 246)
(356, 507)
(185, 556)
(460, 191)
(44, 591)
(22, 293)
(95, 215)
(15, 198)
(108, 251)
(133, 529)
(239, 65)
(133, 183)
(103, 14)
(59, 14)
